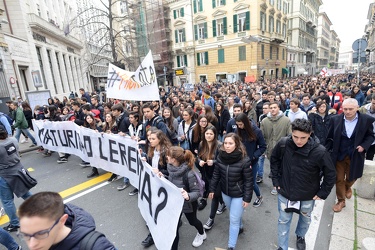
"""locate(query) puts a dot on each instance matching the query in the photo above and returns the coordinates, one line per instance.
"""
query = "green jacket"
(273, 129)
(20, 119)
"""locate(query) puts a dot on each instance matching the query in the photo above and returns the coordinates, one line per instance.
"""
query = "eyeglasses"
(202, 121)
(43, 234)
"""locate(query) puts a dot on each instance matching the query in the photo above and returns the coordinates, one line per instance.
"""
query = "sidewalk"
(354, 226)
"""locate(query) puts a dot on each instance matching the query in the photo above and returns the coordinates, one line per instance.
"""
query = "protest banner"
(159, 201)
(140, 85)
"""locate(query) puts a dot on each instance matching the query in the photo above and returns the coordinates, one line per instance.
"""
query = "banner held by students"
(159, 201)
(140, 85)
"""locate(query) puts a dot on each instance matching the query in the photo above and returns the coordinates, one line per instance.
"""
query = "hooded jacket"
(320, 125)
(295, 115)
(273, 128)
(296, 170)
(81, 223)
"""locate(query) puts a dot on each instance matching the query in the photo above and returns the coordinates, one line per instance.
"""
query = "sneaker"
(240, 231)
(62, 160)
(122, 187)
(230, 248)
(221, 208)
(134, 192)
(274, 191)
(198, 240)
(85, 164)
(11, 228)
(19, 248)
(202, 204)
(114, 177)
(47, 154)
(24, 141)
(209, 224)
(301, 244)
(258, 201)
(259, 179)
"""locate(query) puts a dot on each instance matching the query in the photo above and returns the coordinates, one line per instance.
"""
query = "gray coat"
(176, 176)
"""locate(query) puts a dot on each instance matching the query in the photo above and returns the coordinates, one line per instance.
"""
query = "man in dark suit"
(349, 137)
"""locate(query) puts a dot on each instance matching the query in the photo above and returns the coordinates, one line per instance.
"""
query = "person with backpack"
(47, 223)
(5, 121)
(234, 175)
(297, 162)
(20, 123)
(181, 163)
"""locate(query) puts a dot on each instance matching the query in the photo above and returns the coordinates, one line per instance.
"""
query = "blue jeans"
(27, 132)
(260, 166)
(256, 187)
(7, 198)
(235, 217)
(126, 180)
(7, 240)
(286, 218)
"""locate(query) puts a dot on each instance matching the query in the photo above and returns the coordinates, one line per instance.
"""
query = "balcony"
(50, 29)
(241, 34)
(277, 38)
(201, 41)
(220, 38)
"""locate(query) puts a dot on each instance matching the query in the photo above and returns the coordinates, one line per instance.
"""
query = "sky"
(348, 18)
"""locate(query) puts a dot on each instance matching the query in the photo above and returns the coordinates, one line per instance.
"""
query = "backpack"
(10, 120)
(88, 242)
(200, 182)
(171, 135)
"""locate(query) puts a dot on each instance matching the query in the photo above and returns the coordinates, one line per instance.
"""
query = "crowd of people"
(309, 128)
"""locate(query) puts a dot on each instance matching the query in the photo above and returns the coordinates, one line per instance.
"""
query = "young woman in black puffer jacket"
(233, 172)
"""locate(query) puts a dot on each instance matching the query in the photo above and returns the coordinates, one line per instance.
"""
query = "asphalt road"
(118, 217)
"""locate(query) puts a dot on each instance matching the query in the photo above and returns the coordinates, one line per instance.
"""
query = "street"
(117, 215)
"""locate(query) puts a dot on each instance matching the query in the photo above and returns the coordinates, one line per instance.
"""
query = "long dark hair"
(247, 133)
(206, 150)
(211, 118)
(198, 130)
(164, 143)
(91, 125)
(168, 121)
(25, 106)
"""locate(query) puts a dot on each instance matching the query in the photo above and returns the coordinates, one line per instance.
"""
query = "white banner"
(159, 201)
(140, 85)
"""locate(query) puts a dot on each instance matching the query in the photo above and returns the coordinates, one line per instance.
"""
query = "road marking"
(74, 190)
(312, 233)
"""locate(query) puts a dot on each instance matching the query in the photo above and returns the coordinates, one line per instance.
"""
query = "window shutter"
(205, 30)
(185, 60)
(200, 5)
(196, 32)
(182, 12)
(176, 36)
(174, 14)
(183, 35)
(178, 61)
(223, 1)
(195, 6)
(206, 57)
(214, 28)
(225, 25)
(235, 24)
(213, 4)
(220, 53)
(248, 20)
(198, 59)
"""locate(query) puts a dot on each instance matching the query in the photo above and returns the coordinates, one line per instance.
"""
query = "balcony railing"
(241, 34)
(51, 29)
(220, 38)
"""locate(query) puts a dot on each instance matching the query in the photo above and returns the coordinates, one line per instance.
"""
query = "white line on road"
(86, 192)
(316, 216)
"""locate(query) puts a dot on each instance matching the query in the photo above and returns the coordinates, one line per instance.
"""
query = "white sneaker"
(2, 212)
(274, 191)
(24, 141)
(198, 240)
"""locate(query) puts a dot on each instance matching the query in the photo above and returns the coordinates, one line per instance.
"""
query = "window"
(217, 3)
(220, 56)
(41, 66)
(263, 21)
(124, 7)
(270, 52)
(278, 4)
(200, 31)
(277, 53)
(242, 53)
(284, 30)
(219, 27)
(38, 9)
(278, 26)
(198, 6)
(202, 58)
(285, 8)
(182, 61)
(262, 51)
(180, 35)
(271, 24)
(272, 2)
(178, 13)
(60, 70)
(241, 22)
(50, 66)
(283, 56)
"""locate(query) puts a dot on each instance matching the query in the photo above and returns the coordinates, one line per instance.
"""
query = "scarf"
(230, 158)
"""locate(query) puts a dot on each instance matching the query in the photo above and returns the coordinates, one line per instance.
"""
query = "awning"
(285, 71)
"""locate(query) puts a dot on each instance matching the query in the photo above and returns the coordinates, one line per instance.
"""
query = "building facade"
(42, 55)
